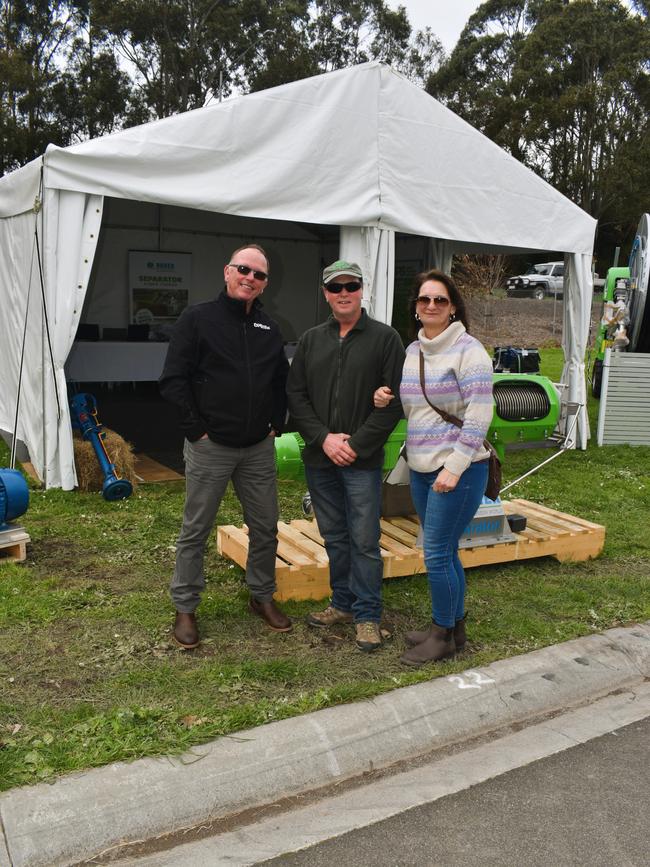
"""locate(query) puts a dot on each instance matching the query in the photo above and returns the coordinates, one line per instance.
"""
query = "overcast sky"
(445, 17)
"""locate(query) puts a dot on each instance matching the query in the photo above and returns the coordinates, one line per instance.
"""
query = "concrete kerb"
(84, 814)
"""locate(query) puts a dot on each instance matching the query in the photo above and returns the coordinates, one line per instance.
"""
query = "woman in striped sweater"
(447, 368)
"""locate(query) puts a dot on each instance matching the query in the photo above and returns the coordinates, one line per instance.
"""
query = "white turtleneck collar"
(433, 345)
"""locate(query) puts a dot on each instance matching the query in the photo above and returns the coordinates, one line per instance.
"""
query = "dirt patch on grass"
(66, 564)
(521, 321)
(54, 553)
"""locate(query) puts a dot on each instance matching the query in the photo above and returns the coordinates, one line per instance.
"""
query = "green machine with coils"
(526, 412)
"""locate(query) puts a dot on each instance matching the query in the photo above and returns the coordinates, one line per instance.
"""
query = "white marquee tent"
(361, 148)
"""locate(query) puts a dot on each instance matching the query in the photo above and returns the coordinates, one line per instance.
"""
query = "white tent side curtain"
(439, 255)
(19, 216)
(578, 292)
(19, 288)
(374, 250)
(65, 234)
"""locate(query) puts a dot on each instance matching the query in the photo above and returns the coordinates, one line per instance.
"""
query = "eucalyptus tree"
(328, 35)
(93, 95)
(60, 81)
(184, 53)
(173, 48)
(565, 87)
(32, 36)
(477, 80)
(585, 75)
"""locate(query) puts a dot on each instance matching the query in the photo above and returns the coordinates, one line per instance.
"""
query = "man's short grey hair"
(253, 247)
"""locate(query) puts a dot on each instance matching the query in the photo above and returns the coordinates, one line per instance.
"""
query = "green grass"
(88, 674)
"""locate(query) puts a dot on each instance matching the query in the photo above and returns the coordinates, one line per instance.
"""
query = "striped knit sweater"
(458, 377)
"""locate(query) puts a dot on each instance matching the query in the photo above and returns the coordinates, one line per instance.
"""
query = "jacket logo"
(259, 325)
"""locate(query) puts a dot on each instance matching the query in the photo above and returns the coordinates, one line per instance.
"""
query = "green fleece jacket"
(331, 385)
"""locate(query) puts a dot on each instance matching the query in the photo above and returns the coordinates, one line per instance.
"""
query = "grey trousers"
(208, 469)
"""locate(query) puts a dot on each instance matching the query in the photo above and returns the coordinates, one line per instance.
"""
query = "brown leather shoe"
(269, 612)
(186, 633)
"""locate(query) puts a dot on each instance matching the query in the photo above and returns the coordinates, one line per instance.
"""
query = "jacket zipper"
(336, 426)
(250, 382)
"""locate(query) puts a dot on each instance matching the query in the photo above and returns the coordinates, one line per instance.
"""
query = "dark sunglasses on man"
(336, 288)
(244, 270)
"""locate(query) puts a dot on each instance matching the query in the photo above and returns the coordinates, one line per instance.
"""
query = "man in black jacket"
(226, 373)
(334, 374)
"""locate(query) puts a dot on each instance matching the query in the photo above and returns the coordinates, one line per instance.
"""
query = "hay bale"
(120, 453)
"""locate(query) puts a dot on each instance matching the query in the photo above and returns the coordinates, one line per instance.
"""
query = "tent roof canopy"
(362, 149)
(358, 147)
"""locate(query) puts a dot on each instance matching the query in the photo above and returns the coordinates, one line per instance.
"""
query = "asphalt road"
(589, 805)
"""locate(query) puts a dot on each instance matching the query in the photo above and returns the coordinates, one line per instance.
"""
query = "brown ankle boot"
(186, 632)
(415, 637)
(270, 613)
(460, 638)
(439, 644)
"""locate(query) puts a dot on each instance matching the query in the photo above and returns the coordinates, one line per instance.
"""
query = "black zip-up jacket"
(226, 372)
(332, 383)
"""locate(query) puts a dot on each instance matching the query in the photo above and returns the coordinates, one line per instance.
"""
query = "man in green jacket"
(334, 373)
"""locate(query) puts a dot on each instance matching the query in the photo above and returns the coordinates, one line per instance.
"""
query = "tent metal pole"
(43, 400)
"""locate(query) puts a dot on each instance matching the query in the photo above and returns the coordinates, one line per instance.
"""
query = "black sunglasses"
(245, 271)
(335, 288)
(438, 300)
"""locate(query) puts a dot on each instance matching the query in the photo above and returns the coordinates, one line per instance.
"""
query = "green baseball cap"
(341, 267)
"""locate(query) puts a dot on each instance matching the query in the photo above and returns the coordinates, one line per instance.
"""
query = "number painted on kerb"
(480, 679)
(461, 683)
(470, 680)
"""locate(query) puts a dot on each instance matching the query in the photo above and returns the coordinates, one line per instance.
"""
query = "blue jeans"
(347, 504)
(443, 518)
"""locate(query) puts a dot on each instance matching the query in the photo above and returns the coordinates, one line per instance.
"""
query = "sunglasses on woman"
(335, 288)
(438, 300)
(244, 270)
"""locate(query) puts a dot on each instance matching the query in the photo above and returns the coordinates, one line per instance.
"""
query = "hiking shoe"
(329, 617)
(368, 637)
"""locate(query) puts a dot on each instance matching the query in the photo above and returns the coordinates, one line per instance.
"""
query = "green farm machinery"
(625, 322)
(526, 412)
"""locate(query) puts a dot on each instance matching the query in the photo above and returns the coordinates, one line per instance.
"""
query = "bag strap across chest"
(446, 416)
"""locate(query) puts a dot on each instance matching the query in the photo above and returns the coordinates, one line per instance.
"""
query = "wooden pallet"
(301, 567)
(13, 545)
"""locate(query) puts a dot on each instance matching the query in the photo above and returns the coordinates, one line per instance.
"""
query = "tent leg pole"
(43, 396)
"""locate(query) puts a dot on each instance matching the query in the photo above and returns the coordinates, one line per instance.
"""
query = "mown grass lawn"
(88, 674)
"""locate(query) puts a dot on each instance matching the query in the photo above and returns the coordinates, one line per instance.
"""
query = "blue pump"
(14, 497)
(84, 418)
